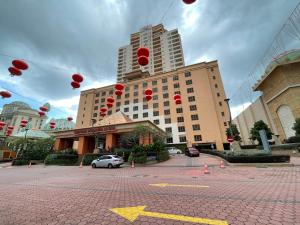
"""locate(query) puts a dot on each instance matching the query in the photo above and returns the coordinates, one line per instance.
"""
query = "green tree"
(296, 127)
(232, 131)
(260, 125)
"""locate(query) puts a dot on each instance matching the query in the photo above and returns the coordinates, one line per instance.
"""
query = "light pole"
(94, 132)
(230, 119)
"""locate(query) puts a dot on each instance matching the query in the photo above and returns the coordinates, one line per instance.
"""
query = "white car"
(173, 150)
(109, 161)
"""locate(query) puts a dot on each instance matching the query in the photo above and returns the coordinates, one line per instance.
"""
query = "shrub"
(20, 162)
(123, 152)
(88, 158)
(61, 159)
(294, 139)
(138, 157)
(296, 127)
(163, 156)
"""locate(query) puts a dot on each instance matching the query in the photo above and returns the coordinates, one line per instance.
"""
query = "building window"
(127, 95)
(145, 84)
(214, 77)
(180, 119)
(127, 89)
(175, 77)
(145, 106)
(118, 104)
(188, 82)
(135, 116)
(164, 80)
(179, 110)
(218, 94)
(220, 104)
(197, 138)
(97, 95)
(126, 109)
(191, 98)
(225, 124)
(187, 74)
(212, 69)
(102, 99)
(167, 112)
(193, 107)
(177, 92)
(155, 113)
(135, 100)
(156, 122)
(119, 97)
(117, 109)
(176, 85)
(109, 112)
(166, 95)
(126, 102)
(222, 113)
(155, 105)
(169, 129)
(136, 86)
(96, 108)
(165, 88)
(181, 129)
(154, 82)
(111, 92)
(155, 97)
(216, 86)
(182, 139)
(154, 90)
(135, 108)
(167, 120)
(169, 140)
(166, 103)
(194, 117)
(196, 127)
(145, 114)
(190, 90)
(95, 115)
(135, 93)
(103, 93)
(96, 101)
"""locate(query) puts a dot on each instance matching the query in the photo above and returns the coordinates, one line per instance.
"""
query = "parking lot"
(173, 192)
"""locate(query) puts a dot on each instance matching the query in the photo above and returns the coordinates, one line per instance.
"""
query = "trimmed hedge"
(294, 139)
(163, 156)
(20, 162)
(140, 157)
(88, 158)
(61, 159)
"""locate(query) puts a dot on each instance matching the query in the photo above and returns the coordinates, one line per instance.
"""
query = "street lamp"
(230, 119)
(94, 132)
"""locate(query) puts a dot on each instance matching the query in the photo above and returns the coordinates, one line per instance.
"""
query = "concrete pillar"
(58, 144)
(82, 145)
(110, 141)
(219, 145)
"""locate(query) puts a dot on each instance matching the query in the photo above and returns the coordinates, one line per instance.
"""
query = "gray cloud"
(83, 36)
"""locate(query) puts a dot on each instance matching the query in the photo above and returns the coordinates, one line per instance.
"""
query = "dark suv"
(192, 152)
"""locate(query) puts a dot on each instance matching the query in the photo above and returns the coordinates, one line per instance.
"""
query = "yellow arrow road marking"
(132, 213)
(178, 185)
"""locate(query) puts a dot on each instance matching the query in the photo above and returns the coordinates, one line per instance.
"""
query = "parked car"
(173, 150)
(109, 161)
(192, 152)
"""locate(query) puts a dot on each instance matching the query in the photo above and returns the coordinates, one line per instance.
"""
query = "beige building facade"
(201, 119)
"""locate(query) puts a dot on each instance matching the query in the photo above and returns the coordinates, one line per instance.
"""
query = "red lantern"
(14, 71)
(178, 101)
(148, 92)
(177, 96)
(5, 94)
(10, 127)
(2, 124)
(143, 60)
(110, 99)
(75, 84)
(1, 128)
(43, 109)
(118, 92)
(19, 64)
(188, 1)
(52, 122)
(41, 113)
(77, 77)
(109, 104)
(119, 87)
(23, 124)
(52, 126)
(148, 97)
(70, 118)
(103, 109)
(7, 134)
(143, 52)
(102, 114)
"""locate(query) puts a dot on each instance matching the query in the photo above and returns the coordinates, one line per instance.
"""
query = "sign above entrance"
(94, 130)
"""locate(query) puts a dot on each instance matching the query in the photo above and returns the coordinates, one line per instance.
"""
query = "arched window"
(287, 120)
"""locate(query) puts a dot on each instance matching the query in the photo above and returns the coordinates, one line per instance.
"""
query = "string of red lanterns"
(143, 56)
(177, 99)
(5, 94)
(148, 92)
(23, 123)
(77, 79)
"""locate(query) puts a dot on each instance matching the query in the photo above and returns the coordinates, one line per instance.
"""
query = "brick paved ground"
(73, 195)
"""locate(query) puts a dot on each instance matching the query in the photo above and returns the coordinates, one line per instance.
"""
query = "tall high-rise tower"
(165, 51)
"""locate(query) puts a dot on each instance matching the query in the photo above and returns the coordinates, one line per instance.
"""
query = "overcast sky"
(61, 37)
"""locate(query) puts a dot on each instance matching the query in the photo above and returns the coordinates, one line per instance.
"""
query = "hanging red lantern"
(177, 96)
(14, 71)
(70, 118)
(148, 97)
(52, 126)
(23, 124)
(75, 84)
(119, 87)
(43, 109)
(109, 104)
(10, 127)
(20, 64)
(5, 94)
(178, 101)
(1, 128)
(7, 134)
(148, 92)
(77, 77)
(52, 122)
(110, 99)
(103, 109)
(103, 114)
(143, 52)
(118, 92)
(41, 113)
(143, 60)
(2, 124)
(188, 1)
